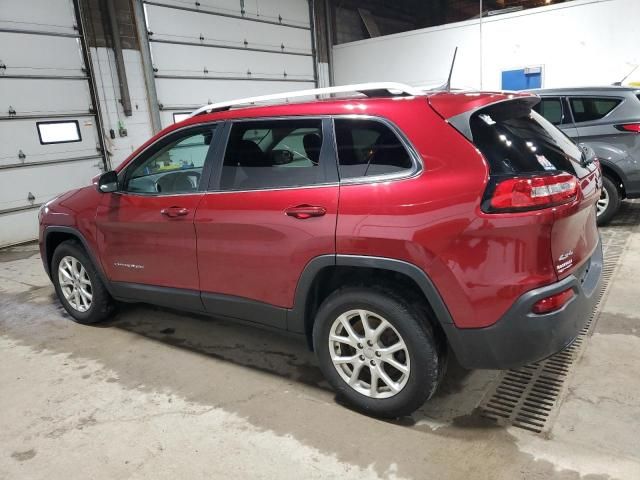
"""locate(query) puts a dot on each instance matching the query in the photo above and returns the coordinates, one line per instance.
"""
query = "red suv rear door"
(271, 208)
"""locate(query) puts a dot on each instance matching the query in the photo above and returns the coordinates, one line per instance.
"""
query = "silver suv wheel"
(369, 354)
(75, 283)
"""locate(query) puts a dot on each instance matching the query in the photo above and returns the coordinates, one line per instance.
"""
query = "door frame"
(207, 168)
(328, 156)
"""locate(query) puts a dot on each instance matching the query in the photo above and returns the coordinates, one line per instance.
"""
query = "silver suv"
(607, 119)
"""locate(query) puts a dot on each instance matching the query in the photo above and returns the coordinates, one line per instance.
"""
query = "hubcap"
(75, 284)
(369, 354)
(603, 202)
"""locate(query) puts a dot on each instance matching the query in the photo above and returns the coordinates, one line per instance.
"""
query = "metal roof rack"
(381, 89)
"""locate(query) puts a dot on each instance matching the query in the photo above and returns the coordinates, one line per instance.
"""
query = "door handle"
(303, 212)
(173, 212)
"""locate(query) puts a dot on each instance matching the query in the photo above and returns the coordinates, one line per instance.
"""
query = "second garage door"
(215, 50)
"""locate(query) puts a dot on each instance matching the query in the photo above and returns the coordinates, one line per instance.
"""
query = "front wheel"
(78, 286)
(609, 202)
(376, 351)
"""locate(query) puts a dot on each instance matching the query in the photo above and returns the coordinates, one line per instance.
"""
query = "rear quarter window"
(592, 108)
(368, 148)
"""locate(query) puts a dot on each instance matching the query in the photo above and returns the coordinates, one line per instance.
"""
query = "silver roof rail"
(381, 89)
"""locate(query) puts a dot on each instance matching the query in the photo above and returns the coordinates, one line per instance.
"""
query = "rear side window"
(588, 109)
(273, 154)
(551, 109)
(367, 148)
(515, 139)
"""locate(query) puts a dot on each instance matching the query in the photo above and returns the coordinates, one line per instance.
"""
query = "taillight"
(629, 127)
(552, 303)
(533, 193)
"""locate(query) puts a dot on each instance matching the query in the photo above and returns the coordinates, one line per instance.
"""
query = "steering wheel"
(174, 182)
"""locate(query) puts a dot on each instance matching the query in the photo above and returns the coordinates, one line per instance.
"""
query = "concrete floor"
(159, 394)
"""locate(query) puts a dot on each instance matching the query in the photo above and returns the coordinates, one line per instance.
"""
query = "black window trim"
(596, 97)
(166, 139)
(51, 122)
(416, 161)
(562, 108)
(330, 164)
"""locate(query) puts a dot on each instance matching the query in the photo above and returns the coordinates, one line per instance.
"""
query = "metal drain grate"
(529, 397)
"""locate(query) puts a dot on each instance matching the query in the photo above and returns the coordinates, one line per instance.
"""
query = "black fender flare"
(617, 170)
(78, 235)
(297, 316)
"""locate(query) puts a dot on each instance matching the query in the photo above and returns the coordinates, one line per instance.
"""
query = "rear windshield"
(516, 140)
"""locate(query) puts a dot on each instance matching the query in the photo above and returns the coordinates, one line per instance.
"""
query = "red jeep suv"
(390, 229)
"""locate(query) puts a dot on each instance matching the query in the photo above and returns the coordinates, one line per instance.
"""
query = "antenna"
(619, 84)
(447, 86)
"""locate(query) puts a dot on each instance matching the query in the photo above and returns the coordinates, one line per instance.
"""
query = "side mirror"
(108, 182)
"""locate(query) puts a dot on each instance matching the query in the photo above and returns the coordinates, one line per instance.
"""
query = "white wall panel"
(191, 61)
(588, 43)
(419, 57)
(188, 26)
(198, 43)
(45, 182)
(44, 97)
(34, 52)
(579, 43)
(22, 135)
(49, 15)
(292, 11)
(40, 55)
(18, 226)
(194, 92)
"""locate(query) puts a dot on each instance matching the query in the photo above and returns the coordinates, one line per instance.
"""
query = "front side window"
(174, 168)
(589, 109)
(551, 109)
(368, 148)
(265, 154)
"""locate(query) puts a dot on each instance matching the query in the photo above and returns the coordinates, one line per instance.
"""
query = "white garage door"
(214, 50)
(48, 136)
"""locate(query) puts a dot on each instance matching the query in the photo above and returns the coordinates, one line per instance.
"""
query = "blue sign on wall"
(522, 79)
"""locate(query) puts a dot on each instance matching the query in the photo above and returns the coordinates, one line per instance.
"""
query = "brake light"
(552, 303)
(629, 127)
(532, 193)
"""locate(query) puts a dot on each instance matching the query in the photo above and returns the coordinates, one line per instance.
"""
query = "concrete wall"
(585, 42)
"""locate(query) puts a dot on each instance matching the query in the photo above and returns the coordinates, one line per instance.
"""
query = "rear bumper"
(521, 337)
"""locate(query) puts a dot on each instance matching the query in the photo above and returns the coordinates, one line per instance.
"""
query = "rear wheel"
(609, 201)
(78, 286)
(377, 352)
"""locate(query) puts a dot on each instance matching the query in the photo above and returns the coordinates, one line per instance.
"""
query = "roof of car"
(602, 90)
(449, 103)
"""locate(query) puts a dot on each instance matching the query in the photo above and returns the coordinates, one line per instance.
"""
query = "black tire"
(102, 305)
(425, 362)
(609, 186)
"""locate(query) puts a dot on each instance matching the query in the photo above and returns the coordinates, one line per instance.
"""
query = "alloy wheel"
(603, 202)
(75, 283)
(369, 354)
